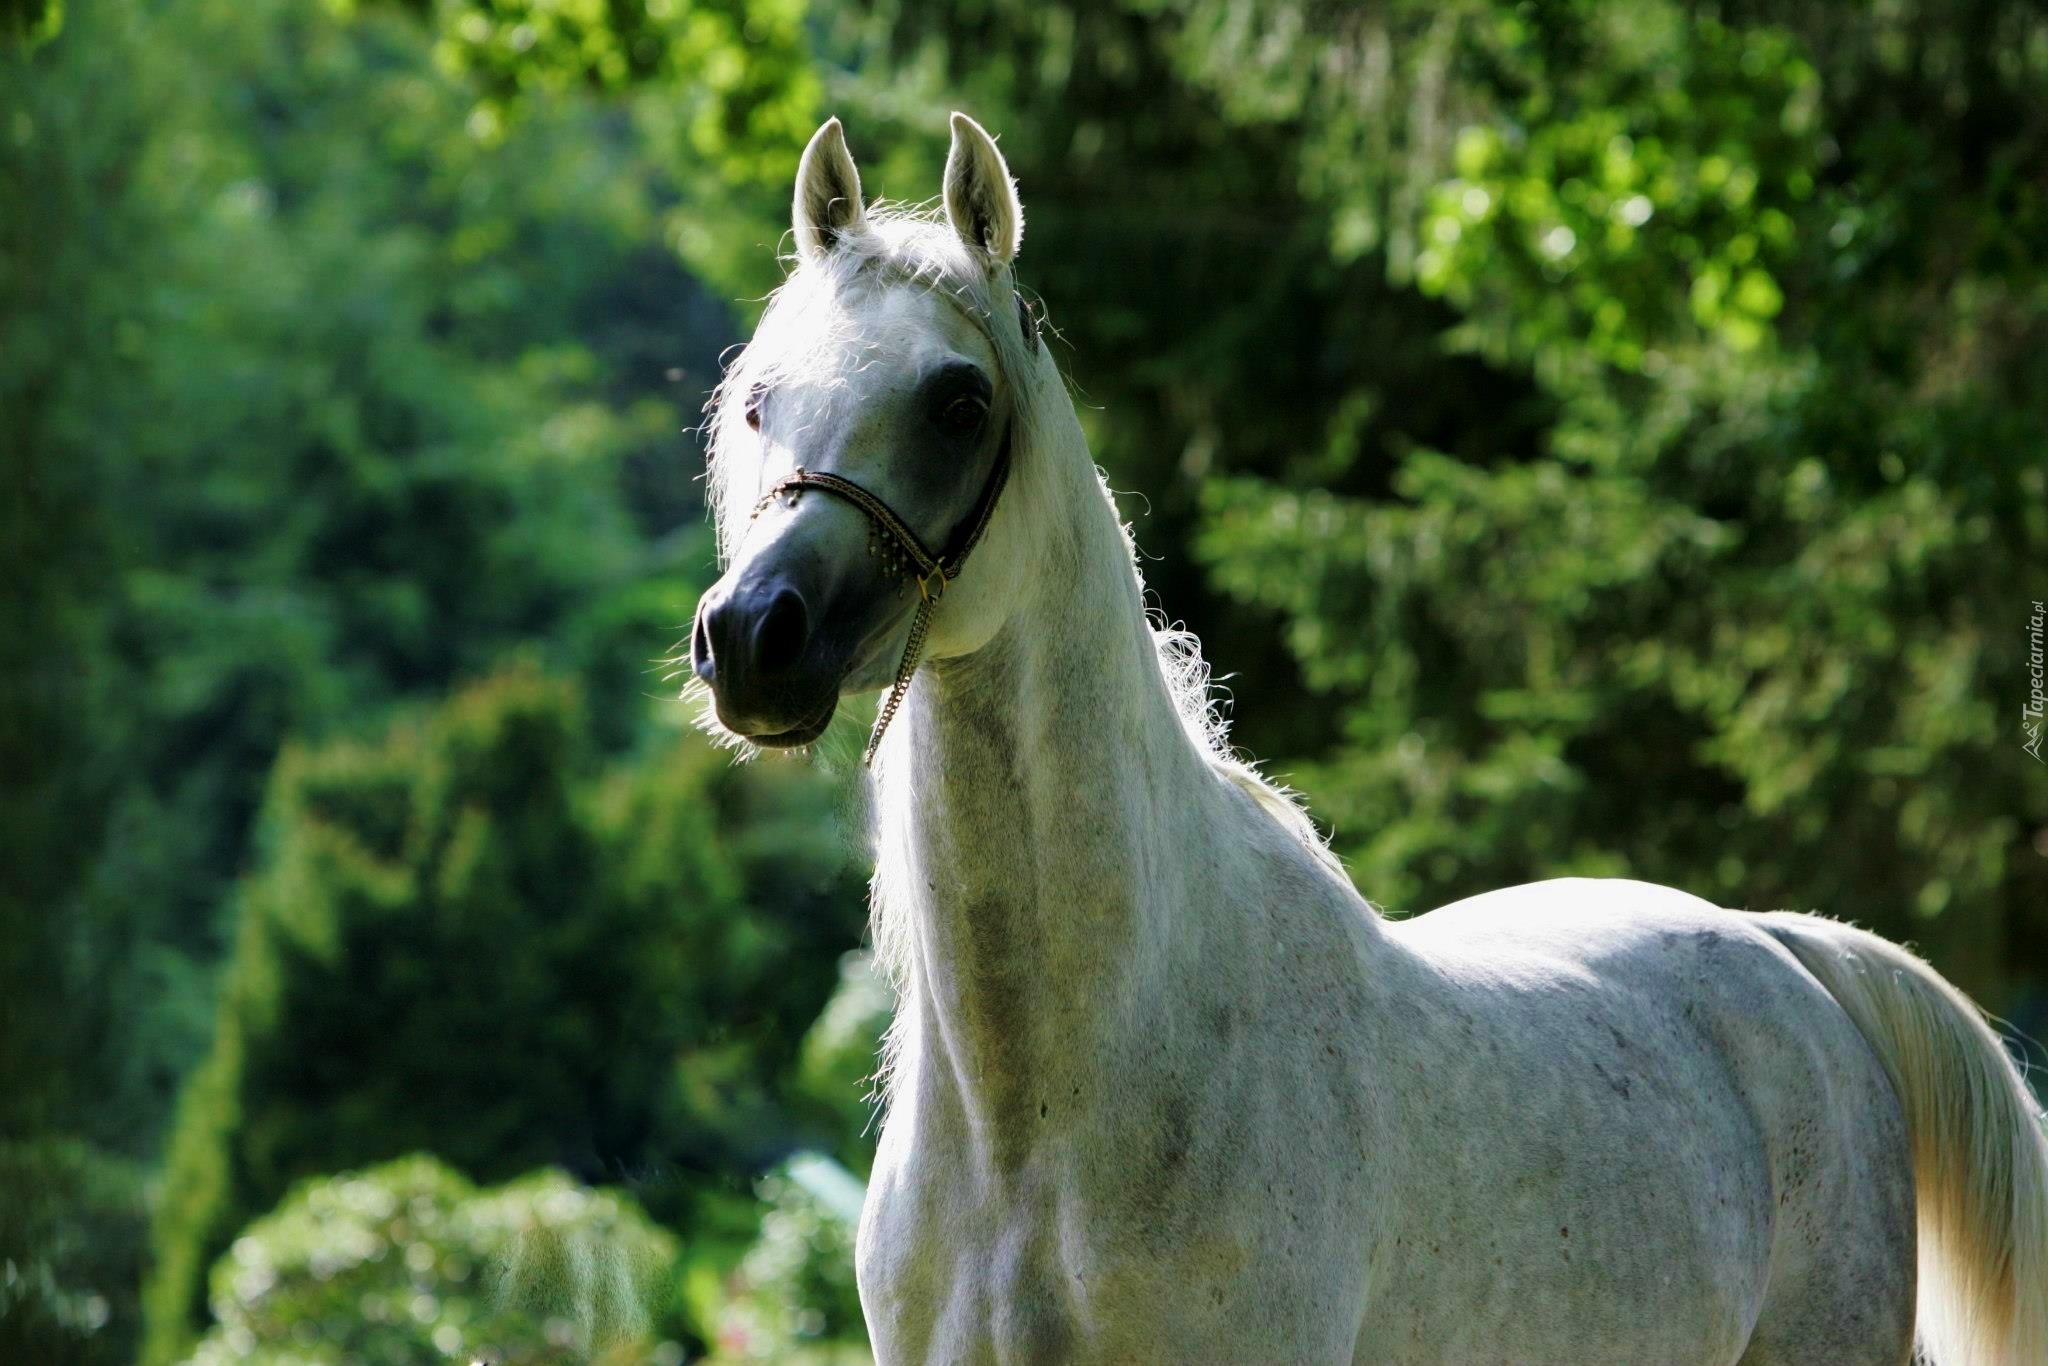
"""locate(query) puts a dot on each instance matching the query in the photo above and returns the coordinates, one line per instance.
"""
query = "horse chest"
(1194, 1254)
(1038, 1282)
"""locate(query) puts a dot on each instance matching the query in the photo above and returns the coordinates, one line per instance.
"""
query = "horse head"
(861, 447)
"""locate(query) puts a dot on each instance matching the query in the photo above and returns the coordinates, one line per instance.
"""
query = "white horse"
(1165, 1088)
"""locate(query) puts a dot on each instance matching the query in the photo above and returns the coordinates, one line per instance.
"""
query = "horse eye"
(756, 396)
(962, 416)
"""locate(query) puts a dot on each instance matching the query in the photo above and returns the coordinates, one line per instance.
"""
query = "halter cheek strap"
(891, 538)
(900, 549)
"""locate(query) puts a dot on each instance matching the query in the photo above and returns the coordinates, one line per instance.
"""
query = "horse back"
(1620, 1096)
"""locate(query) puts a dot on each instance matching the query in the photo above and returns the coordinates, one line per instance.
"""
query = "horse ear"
(828, 203)
(981, 202)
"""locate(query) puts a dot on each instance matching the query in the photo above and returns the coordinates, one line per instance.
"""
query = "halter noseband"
(891, 538)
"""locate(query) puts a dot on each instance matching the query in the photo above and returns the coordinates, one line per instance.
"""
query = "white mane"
(1187, 678)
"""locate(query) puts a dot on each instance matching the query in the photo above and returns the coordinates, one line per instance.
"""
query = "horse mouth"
(800, 735)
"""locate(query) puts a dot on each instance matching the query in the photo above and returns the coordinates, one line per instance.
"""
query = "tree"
(1589, 437)
(1749, 621)
(320, 393)
(72, 1220)
(465, 939)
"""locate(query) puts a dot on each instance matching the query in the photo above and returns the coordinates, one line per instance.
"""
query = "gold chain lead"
(912, 649)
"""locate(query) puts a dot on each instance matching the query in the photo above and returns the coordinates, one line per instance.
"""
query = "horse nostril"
(700, 647)
(782, 633)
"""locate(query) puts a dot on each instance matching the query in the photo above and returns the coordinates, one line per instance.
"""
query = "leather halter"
(900, 548)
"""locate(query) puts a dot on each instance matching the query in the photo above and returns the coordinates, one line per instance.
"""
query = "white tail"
(1980, 1152)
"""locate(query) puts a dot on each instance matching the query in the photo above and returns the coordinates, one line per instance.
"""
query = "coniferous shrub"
(71, 1224)
(466, 940)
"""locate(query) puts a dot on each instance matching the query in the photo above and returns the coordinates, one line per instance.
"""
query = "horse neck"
(1041, 820)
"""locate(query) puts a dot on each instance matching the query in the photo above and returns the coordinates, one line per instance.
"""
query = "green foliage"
(29, 22)
(739, 66)
(839, 1067)
(61, 725)
(464, 937)
(71, 1220)
(1751, 621)
(1641, 166)
(408, 1262)
(314, 403)
(793, 1301)
(1592, 437)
